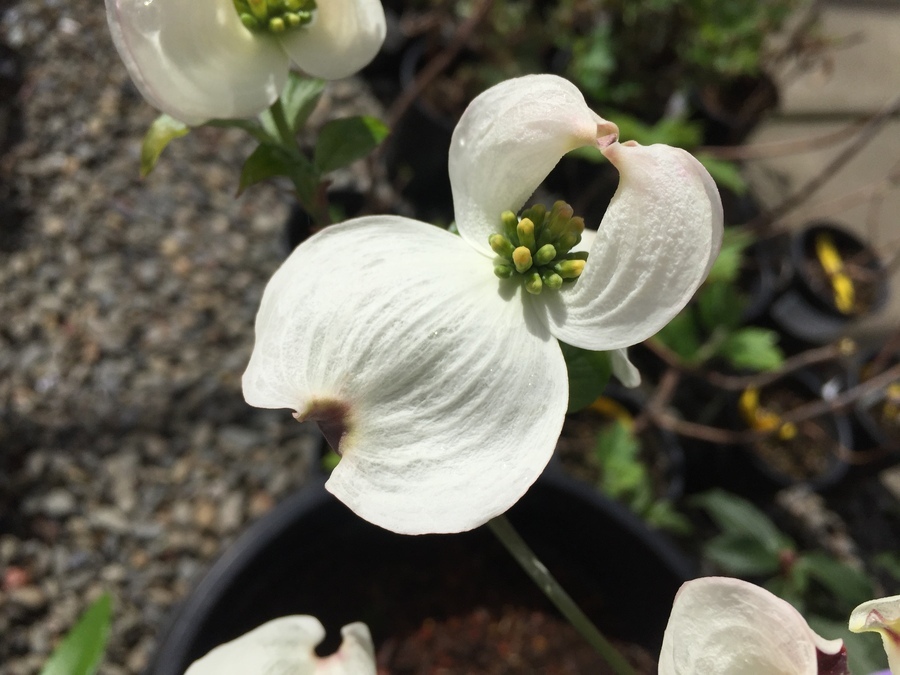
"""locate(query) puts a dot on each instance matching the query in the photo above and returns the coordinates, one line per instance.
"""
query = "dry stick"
(801, 413)
(438, 64)
(740, 382)
(866, 133)
(792, 146)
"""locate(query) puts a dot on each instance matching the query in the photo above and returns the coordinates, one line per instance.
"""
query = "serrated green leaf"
(728, 263)
(163, 131)
(719, 304)
(299, 98)
(753, 348)
(738, 517)
(681, 334)
(82, 649)
(849, 587)
(345, 140)
(268, 161)
(617, 451)
(740, 555)
(726, 174)
(588, 374)
(865, 653)
(662, 515)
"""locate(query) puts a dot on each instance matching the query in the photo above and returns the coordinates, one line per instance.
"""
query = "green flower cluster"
(536, 247)
(274, 16)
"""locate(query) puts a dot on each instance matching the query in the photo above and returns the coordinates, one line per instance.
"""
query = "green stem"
(506, 533)
(288, 139)
(246, 125)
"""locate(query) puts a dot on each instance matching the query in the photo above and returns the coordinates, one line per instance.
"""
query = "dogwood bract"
(286, 646)
(443, 387)
(202, 59)
(881, 616)
(723, 626)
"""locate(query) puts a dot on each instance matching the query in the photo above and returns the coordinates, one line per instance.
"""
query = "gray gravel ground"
(128, 458)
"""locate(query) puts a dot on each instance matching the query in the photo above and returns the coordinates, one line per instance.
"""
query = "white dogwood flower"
(443, 387)
(286, 646)
(724, 626)
(881, 616)
(202, 59)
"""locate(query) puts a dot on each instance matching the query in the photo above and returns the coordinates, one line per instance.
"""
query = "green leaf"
(617, 452)
(719, 304)
(298, 98)
(588, 374)
(738, 517)
(865, 653)
(753, 348)
(82, 649)
(725, 173)
(740, 555)
(164, 130)
(345, 140)
(728, 263)
(681, 335)
(268, 161)
(662, 515)
(889, 562)
(849, 587)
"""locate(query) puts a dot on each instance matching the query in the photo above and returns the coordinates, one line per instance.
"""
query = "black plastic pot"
(311, 555)
(878, 437)
(766, 475)
(806, 311)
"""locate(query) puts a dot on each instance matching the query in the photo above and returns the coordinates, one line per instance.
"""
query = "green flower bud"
(260, 9)
(545, 254)
(503, 271)
(250, 23)
(501, 246)
(568, 241)
(569, 269)
(522, 259)
(525, 230)
(552, 280)
(559, 217)
(533, 283)
(536, 214)
(509, 221)
(276, 25)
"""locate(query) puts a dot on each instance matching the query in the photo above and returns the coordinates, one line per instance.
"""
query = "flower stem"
(288, 140)
(506, 533)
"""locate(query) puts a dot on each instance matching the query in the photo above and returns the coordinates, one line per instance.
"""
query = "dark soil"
(501, 641)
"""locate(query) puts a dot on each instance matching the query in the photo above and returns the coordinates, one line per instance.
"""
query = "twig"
(438, 64)
(740, 382)
(866, 133)
(793, 146)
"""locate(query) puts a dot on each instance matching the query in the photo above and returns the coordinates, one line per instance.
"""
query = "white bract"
(724, 626)
(881, 616)
(443, 387)
(197, 60)
(286, 646)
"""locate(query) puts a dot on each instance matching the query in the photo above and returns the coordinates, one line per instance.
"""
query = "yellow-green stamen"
(536, 247)
(274, 16)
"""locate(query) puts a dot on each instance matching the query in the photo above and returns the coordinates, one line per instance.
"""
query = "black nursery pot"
(311, 555)
(875, 414)
(767, 466)
(806, 311)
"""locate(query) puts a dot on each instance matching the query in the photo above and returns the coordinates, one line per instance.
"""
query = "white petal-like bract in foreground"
(724, 626)
(881, 616)
(286, 646)
(442, 386)
(196, 60)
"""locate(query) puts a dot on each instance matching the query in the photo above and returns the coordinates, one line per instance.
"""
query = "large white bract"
(445, 385)
(195, 60)
(286, 646)
(723, 626)
(881, 616)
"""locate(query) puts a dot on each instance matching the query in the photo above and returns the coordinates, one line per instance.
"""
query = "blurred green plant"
(626, 478)
(822, 588)
(711, 325)
(81, 650)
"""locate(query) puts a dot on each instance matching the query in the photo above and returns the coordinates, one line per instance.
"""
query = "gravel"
(129, 459)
